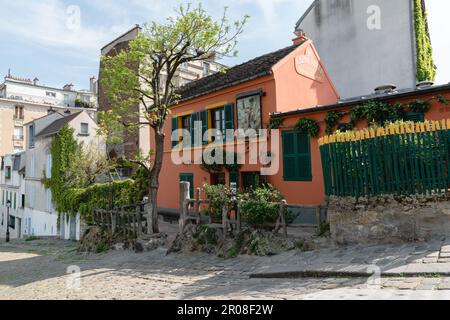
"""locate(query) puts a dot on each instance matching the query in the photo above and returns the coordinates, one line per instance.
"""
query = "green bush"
(260, 206)
(219, 196)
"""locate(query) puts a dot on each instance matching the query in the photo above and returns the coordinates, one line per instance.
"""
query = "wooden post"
(225, 221)
(113, 221)
(283, 218)
(197, 205)
(238, 218)
(184, 195)
(139, 221)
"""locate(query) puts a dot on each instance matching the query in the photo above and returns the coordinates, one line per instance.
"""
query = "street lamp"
(8, 205)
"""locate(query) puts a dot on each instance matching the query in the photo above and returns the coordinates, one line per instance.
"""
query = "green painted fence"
(402, 159)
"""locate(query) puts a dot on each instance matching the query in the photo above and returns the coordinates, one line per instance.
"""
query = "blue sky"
(35, 40)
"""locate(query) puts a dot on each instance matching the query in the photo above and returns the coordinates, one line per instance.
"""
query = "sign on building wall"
(308, 66)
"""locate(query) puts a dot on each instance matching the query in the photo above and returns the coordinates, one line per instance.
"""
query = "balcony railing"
(17, 137)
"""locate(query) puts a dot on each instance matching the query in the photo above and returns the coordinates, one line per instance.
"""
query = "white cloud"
(45, 22)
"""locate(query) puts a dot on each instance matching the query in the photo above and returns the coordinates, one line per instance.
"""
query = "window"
(31, 198)
(218, 123)
(249, 112)
(66, 99)
(251, 180)
(31, 136)
(296, 156)
(84, 130)
(206, 69)
(188, 177)
(49, 200)
(14, 204)
(50, 94)
(18, 133)
(48, 169)
(414, 116)
(12, 222)
(22, 204)
(8, 172)
(32, 166)
(18, 113)
(218, 179)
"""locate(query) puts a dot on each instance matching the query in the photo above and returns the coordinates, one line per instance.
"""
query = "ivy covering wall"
(425, 64)
(74, 196)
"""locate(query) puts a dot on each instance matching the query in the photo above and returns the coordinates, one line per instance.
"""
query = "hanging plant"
(443, 100)
(331, 120)
(419, 106)
(275, 123)
(377, 112)
(309, 126)
(219, 167)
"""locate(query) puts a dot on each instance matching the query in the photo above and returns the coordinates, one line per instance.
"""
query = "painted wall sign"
(308, 65)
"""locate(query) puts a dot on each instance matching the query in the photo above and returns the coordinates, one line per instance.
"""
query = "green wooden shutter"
(194, 117)
(296, 156)
(303, 157)
(174, 127)
(204, 120)
(188, 177)
(229, 119)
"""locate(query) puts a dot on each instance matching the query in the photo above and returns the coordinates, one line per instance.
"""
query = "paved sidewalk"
(394, 260)
(39, 270)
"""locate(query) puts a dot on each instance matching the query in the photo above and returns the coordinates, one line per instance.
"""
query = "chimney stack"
(300, 37)
(93, 85)
(68, 87)
(35, 81)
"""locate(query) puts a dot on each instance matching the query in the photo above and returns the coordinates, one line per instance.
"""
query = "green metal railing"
(402, 159)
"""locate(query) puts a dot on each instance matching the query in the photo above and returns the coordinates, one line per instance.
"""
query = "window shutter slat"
(229, 120)
(174, 127)
(204, 120)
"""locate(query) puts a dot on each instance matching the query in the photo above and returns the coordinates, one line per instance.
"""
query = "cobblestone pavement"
(38, 270)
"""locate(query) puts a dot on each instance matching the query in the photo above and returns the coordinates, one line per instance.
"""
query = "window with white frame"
(48, 169)
(84, 130)
(49, 200)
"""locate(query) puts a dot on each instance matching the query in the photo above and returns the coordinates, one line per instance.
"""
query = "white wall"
(357, 58)
(42, 223)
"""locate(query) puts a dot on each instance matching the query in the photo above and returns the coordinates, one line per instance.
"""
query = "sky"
(44, 38)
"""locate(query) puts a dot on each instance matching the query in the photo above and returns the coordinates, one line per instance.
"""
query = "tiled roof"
(247, 71)
(57, 125)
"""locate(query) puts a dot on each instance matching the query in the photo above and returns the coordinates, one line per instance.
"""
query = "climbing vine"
(64, 149)
(309, 126)
(331, 120)
(275, 123)
(77, 196)
(425, 66)
(419, 106)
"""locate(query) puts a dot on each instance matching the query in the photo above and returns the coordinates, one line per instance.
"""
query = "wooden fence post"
(225, 221)
(139, 221)
(184, 196)
(197, 205)
(282, 217)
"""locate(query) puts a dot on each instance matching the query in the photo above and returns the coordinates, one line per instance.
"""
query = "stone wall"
(389, 219)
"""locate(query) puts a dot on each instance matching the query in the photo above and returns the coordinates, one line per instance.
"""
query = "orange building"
(280, 81)
(288, 84)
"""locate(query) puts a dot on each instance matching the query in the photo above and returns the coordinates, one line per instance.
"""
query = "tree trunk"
(154, 181)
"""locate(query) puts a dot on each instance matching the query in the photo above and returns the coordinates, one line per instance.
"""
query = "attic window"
(84, 129)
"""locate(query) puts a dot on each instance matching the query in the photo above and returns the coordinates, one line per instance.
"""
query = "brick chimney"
(300, 37)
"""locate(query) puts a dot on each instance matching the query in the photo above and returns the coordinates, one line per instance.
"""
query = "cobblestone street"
(38, 270)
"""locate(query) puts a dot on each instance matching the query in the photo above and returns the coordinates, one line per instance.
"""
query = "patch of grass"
(102, 247)
(31, 238)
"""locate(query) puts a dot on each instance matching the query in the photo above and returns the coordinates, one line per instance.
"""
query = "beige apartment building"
(188, 72)
(24, 100)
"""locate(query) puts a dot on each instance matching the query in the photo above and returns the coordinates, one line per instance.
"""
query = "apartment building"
(365, 43)
(23, 100)
(12, 192)
(39, 210)
(141, 139)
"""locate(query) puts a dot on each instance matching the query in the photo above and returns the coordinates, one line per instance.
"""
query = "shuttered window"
(414, 116)
(296, 156)
(174, 127)
(229, 121)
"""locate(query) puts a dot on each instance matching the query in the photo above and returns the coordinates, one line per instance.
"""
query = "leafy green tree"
(144, 75)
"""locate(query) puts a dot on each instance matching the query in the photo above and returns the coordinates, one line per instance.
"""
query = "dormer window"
(50, 94)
